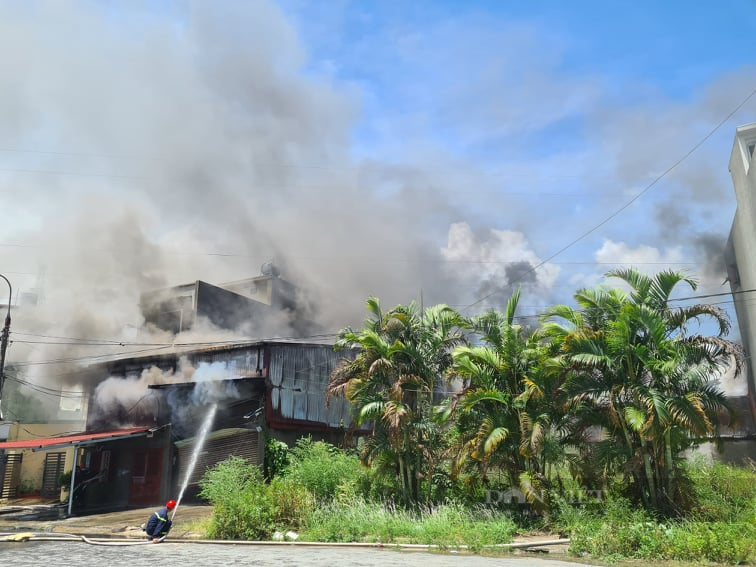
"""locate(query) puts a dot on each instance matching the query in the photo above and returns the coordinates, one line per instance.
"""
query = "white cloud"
(494, 266)
(647, 259)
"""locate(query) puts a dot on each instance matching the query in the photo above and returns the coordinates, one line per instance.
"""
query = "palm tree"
(648, 383)
(486, 408)
(393, 385)
(499, 409)
(512, 413)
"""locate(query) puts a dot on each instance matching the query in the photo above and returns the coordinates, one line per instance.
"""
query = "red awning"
(84, 438)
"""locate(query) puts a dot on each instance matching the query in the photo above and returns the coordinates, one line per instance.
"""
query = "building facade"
(199, 407)
(740, 258)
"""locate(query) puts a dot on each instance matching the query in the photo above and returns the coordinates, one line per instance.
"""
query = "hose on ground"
(28, 536)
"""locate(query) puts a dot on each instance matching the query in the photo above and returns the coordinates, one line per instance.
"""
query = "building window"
(748, 147)
(71, 398)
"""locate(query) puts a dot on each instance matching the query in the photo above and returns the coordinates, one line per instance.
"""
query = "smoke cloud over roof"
(145, 147)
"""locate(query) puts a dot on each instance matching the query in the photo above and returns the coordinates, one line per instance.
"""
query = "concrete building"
(740, 257)
(231, 305)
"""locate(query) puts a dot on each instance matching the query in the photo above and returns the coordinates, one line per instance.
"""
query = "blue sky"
(582, 103)
(449, 151)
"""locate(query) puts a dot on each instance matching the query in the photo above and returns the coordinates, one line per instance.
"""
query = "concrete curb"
(108, 540)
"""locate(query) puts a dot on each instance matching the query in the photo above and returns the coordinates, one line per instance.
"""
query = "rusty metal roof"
(83, 438)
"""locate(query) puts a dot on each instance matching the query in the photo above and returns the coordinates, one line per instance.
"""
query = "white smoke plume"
(120, 401)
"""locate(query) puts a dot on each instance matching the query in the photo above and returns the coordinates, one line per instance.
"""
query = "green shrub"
(322, 468)
(64, 480)
(355, 520)
(277, 458)
(248, 508)
(569, 519)
(242, 507)
(27, 487)
(619, 530)
(375, 485)
(454, 525)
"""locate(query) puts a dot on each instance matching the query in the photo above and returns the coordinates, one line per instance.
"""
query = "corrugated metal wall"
(241, 363)
(219, 446)
(299, 376)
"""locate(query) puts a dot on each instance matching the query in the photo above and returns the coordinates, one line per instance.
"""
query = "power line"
(114, 342)
(74, 341)
(635, 198)
(359, 167)
(688, 298)
(48, 391)
(155, 347)
(83, 359)
(58, 172)
(95, 342)
(713, 295)
(399, 260)
(77, 154)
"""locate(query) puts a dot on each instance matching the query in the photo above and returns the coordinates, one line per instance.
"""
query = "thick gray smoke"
(710, 250)
(196, 149)
(148, 147)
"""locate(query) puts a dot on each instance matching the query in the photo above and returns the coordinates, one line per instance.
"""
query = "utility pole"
(4, 342)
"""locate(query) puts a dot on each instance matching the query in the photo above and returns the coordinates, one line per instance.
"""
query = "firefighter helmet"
(171, 504)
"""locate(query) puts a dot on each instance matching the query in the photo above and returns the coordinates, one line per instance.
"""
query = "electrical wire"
(645, 190)
(159, 348)
(33, 385)
(58, 172)
(76, 341)
(87, 358)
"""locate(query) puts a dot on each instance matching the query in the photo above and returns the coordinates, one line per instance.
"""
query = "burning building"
(142, 411)
(152, 407)
(251, 303)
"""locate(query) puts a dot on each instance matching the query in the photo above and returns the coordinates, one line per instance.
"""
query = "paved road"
(75, 553)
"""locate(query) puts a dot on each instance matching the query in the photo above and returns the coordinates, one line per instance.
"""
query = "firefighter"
(159, 524)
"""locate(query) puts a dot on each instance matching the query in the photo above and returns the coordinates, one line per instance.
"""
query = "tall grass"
(449, 525)
(722, 492)
(245, 507)
(323, 497)
(719, 528)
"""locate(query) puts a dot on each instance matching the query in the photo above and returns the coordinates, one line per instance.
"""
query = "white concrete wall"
(743, 240)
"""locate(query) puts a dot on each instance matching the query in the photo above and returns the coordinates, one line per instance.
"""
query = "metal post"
(4, 342)
(73, 479)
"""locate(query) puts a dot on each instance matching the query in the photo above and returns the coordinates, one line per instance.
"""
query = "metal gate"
(55, 464)
(10, 474)
(219, 446)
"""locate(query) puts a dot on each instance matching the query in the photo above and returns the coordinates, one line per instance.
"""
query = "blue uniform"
(159, 524)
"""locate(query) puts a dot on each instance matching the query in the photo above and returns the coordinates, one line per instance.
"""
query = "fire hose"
(28, 536)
